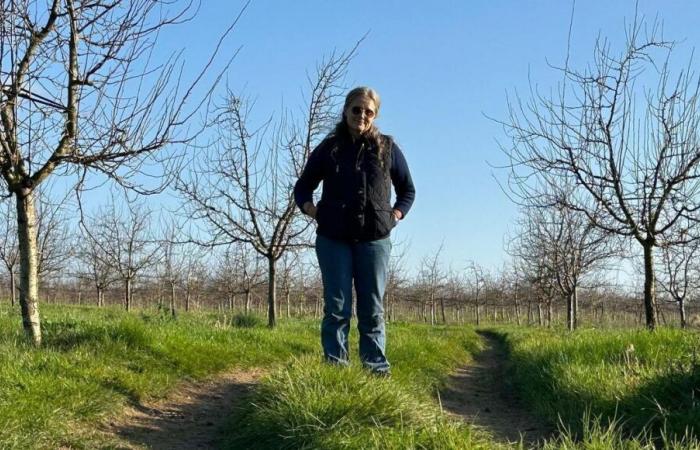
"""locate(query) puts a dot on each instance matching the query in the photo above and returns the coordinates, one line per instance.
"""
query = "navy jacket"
(355, 202)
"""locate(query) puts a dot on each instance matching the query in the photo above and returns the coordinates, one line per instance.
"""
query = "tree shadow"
(667, 405)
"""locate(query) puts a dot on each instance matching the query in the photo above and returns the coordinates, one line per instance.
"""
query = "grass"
(310, 404)
(610, 389)
(637, 387)
(94, 361)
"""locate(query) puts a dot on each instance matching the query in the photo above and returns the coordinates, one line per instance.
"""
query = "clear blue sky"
(440, 67)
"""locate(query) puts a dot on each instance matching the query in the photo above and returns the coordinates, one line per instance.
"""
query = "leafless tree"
(567, 245)
(175, 261)
(240, 187)
(630, 149)
(477, 279)
(679, 274)
(239, 272)
(432, 278)
(9, 249)
(81, 90)
(53, 237)
(396, 276)
(95, 265)
(127, 242)
(194, 275)
(289, 261)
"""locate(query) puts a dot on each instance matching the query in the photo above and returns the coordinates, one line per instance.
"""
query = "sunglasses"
(356, 111)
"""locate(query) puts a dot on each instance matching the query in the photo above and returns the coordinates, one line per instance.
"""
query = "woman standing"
(357, 165)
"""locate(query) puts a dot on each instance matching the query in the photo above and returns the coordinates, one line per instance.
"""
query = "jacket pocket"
(384, 222)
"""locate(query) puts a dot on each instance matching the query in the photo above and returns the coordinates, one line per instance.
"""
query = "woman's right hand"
(310, 209)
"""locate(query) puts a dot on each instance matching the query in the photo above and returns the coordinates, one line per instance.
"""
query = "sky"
(443, 70)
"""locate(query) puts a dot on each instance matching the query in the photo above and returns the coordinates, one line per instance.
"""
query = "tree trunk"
(649, 286)
(187, 300)
(432, 310)
(28, 267)
(575, 305)
(478, 316)
(442, 310)
(289, 303)
(517, 310)
(271, 292)
(681, 311)
(539, 313)
(247, 301)
(13, 287)
(570, 314)
(127, 294)
(172, 299)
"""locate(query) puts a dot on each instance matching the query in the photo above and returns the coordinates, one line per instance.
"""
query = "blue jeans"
(366, 264)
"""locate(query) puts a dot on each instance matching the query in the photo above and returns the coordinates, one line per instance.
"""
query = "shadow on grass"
(668, 404)
(65, 336)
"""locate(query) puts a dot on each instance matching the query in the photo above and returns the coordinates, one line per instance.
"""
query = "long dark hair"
(381, 143)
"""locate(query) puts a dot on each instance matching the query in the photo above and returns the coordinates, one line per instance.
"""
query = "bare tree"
(127, 242)
(81, 91)
(194, 275)
(289, 261)
(9, 249)
(433, 278)
(53, 237)
(567, 245)
(174, 261)
(631, 152)
(241, 186)
(477, 279)
(680, 274)
(395, 276)
(96, 266)
(239, 272)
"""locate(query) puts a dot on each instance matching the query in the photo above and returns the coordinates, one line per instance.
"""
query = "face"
(360, 114)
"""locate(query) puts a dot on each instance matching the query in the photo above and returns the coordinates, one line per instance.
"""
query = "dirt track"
(479, 394)
(190, 418)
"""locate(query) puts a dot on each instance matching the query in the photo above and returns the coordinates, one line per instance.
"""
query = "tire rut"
(191, 417)
(479, 395)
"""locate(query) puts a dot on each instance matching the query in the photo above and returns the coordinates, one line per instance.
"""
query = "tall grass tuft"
(311, 404)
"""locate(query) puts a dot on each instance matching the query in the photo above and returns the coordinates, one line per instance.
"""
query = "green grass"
(95, 361)
(310, 404)
(643, 386)
(610, 389)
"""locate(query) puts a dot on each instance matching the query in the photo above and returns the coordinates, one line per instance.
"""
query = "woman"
(357, 165)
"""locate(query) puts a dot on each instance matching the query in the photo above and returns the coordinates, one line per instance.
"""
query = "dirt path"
(191, 417)
(480, 396)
